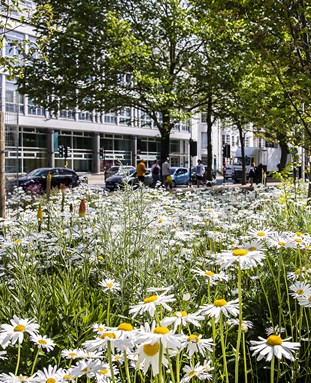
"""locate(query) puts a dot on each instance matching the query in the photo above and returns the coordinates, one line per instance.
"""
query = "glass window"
(125, 116)
(14, 102)
(204, 140)
(111, 118)
(13, 40)
(35, 110)
(69, 114)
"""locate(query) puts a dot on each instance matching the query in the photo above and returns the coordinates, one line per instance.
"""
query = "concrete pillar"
(134, 151)
(50, 148)
(96, 146)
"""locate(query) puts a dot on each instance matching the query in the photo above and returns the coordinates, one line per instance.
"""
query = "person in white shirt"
(199, 172)
(166, 171)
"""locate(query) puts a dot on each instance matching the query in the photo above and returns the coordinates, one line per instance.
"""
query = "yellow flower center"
(19, 328)
(297, 272)
(42, 341)
(84, 369)
(193, 338)
(298, 240)
(18, 241)
(299, 233)
(252, 248)
(125, 327)
(240, 252)
(220, 302)
(299, 291)
(281, 243)
(67, 377)
(309, 298)
(153, 298)
(191, 374)
(110, 335)
(151, 349)
(274, 340)
(100, 258)
(261, 233)
(72, 354)
(180, 314)
(209, 273)
(51, 380)
(109, 285)
(104, 372)
(100, 329)
(161, 330)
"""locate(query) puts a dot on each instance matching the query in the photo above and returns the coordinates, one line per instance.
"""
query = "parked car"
(180, 176)
(133, 179)
(194, 178)
(36, 179)
(117, 168)
(119, 180)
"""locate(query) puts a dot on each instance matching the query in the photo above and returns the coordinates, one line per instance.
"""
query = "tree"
(86, 49)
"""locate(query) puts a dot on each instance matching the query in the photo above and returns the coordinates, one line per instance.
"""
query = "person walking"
(155, 171)
(166, 171)
(199, 172)
(141, 171)
(251, 175)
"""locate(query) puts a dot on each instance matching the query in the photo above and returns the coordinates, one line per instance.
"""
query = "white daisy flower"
(274, 345)
(43, 342)
(11, 378)
(195, 343)
(104, 374)
(2, 355)
(276, 330)
(260, 234)
(149, 355)
(245, 324)
(15, 331)
(211, 276)
(111, 337)
(299, 289)
(157, 334)
(99, 328)
(244, 257)
(49, 375)
(182, 318)
(305, 300)
(197, 371)
(221, 306)
(87, 368)
(149, 304)
(71, 354)
(109, 285)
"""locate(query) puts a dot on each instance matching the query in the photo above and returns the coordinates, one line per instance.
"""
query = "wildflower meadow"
(153, 286)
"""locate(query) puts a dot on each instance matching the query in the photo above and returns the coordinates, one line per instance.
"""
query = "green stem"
(237, 352)
(272, 371)
(18, 358)
(108, 309)
(110, 362)
(223, 348)
(35, 362)
(160, 363)
(126, 365)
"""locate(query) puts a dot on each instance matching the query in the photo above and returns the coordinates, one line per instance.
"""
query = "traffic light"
(101, 153)
(193, 148)
(61, 151)
(66, 151)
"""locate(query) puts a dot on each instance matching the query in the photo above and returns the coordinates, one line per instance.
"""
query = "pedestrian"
(251, 175)
(199, 172)
(260, 171)
(155, 171)
(141, 171)
(166, 171)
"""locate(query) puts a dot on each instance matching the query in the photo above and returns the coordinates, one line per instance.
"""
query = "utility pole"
(2, 166)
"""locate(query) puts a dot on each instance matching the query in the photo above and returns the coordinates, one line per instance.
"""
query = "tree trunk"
(209, 164)
(165, 137)
(241, 135)
(284, 154)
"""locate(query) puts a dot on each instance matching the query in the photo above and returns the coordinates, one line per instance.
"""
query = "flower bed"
(153, 286)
